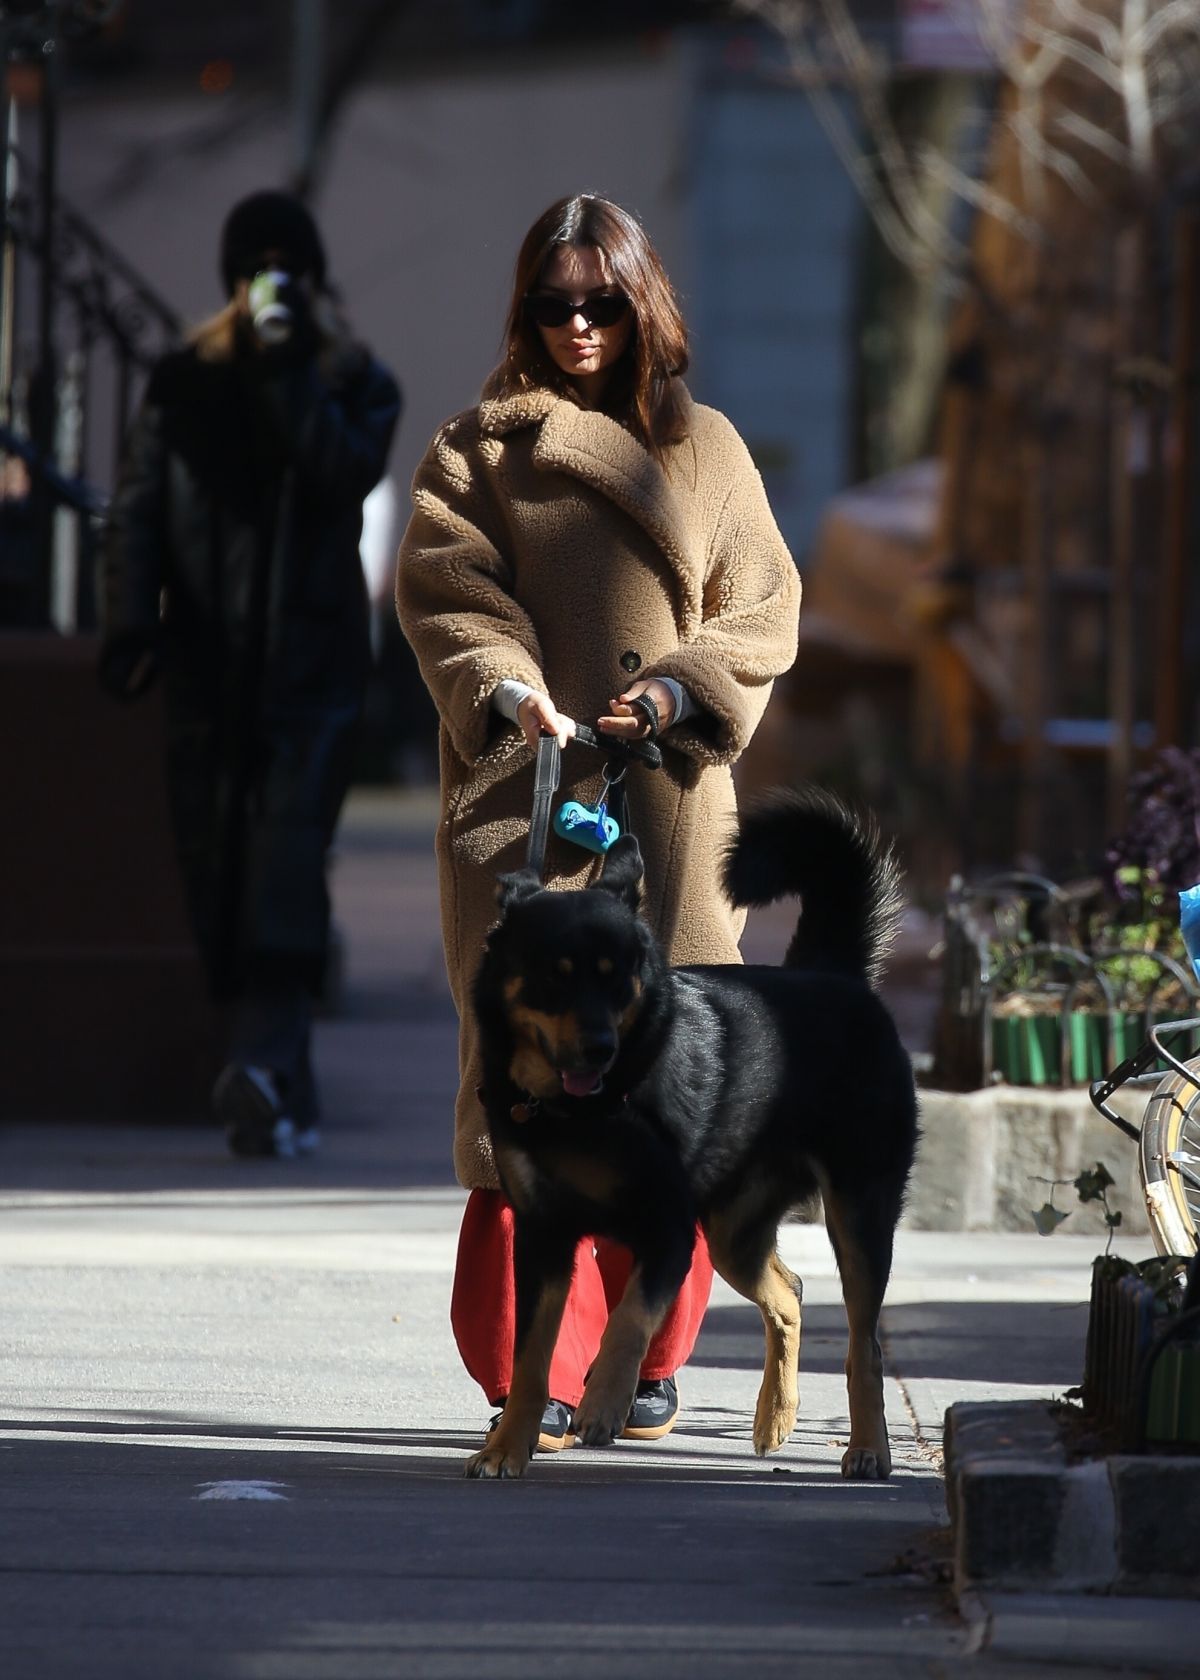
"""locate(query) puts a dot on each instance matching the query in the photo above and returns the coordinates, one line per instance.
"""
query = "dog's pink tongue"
(580, 1084)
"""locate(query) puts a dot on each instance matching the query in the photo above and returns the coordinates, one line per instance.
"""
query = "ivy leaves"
(1048, 1218)
(1092, 1185)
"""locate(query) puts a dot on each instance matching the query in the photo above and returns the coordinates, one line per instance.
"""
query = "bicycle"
(1168, 1138)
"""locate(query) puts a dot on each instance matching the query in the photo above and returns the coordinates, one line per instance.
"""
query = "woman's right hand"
(538, 715)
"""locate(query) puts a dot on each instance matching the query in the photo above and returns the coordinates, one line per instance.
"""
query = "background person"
(233, 567)
(585, 535)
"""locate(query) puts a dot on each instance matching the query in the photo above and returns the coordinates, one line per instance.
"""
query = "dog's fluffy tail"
(807, 844)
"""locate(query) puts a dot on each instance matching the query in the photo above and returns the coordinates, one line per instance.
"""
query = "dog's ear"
(622, 872)
(513, 889)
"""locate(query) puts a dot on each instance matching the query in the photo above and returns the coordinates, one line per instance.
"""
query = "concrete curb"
(1134, 1634)
(1026, 1519)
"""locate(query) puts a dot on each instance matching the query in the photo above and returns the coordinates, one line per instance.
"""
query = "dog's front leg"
(542, 1269)
(612, 1383)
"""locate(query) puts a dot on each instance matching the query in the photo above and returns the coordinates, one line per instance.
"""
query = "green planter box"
(1088, 1036)
(1027, 1049)
(1100, 1042)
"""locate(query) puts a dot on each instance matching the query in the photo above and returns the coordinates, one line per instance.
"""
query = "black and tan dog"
(629, 1099)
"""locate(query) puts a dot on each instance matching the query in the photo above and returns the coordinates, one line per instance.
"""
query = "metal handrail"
(101, 327)
(109, 293)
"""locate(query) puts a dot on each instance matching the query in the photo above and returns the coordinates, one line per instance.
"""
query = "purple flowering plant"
(1162, 837)
(1147, 865)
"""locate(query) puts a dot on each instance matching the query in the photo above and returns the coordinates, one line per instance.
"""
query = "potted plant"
(1141, 1378)
(1075, 977)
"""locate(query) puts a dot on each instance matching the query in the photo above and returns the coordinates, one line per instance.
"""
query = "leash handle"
(643, 703)
(545, 786)
(646, 752)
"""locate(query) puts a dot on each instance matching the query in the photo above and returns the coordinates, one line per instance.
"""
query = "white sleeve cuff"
(508, 695)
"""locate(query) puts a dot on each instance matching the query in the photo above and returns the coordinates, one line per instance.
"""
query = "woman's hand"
(628, 724)
(538, 715)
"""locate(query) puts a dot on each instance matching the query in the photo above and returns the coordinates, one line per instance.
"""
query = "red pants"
(483, 1305)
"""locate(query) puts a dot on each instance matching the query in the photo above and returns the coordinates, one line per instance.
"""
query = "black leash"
(547, 769)
(545, 786)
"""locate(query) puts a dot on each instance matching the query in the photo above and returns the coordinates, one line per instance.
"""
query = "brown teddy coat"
(547, 545)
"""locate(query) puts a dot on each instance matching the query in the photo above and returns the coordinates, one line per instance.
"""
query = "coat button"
(630, 661)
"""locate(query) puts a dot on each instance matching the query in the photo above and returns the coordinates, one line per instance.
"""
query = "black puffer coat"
(232, 560)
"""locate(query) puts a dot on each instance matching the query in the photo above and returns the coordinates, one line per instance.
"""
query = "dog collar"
(529, 1107)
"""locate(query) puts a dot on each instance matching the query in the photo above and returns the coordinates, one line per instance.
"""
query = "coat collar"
(598, 450)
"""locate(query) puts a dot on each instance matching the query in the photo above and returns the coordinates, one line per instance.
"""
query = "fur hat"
(269, 221)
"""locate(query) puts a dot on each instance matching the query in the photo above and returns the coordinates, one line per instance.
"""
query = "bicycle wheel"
(1171, 1140)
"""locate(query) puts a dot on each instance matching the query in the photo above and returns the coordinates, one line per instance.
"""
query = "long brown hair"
(644, 393)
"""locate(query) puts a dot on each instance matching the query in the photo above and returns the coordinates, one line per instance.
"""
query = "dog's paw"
(774, 1420)
(866, 1464)
(772, 1432)
(598, 1431)
(599, 1419)
(496, 1462)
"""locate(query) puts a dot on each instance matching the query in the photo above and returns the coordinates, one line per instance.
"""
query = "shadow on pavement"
(994, 1341)
(165, 1445)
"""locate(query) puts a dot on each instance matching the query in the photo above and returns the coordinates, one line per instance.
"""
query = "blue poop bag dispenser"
(1189, 924)
(587, 825)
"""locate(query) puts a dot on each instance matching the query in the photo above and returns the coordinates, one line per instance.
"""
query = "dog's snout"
(596, 1049)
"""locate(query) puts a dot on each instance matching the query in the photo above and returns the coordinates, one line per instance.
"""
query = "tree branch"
(980, 194)
(1091, 134)
(1034, 141)
(1067, 46)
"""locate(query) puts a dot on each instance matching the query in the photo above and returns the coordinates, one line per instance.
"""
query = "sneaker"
(289, 1141)
(654, 1410)
(555, 1432)
(249, 1102)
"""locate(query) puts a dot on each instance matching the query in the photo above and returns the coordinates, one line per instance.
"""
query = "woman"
(232, 565)
(584, 537)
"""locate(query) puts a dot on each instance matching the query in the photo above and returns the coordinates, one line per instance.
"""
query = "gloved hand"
(128, 663)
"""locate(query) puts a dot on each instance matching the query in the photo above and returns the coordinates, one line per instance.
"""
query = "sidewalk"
(177, 1319)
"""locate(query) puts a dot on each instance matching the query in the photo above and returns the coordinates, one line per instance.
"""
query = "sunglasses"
(603, 310)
